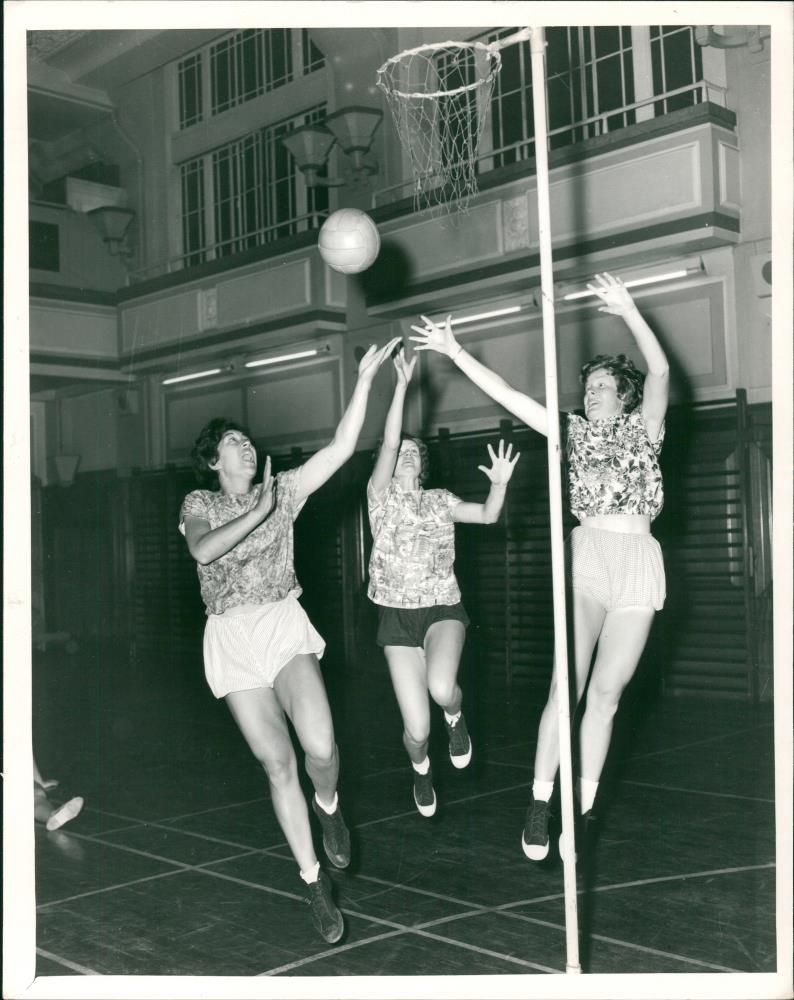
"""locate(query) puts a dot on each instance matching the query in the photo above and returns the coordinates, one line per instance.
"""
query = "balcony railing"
(567, 135)
(231, 247)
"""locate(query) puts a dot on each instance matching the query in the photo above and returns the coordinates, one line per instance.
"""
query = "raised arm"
(618, 302)
(207, 544)
(499, 473)
(441, 339)
(392, 431)
(324, 463)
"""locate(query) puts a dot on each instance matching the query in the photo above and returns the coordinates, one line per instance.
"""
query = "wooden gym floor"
(176, 865)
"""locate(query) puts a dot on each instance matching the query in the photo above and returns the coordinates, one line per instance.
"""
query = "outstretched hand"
(433, 337)
(403, 367)
(502, 464)
(374, 358)
(265, 502)
(613, 293)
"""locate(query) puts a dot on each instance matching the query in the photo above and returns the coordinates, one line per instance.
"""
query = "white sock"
(452, 719)
(312, 874)
(422, 768)
(541, 790)
(328, 809)
(587, 794)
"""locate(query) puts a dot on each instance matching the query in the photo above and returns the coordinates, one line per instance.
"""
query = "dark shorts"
(408, 626)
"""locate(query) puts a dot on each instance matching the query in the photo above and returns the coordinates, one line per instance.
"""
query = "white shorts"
(246, 647)
(620, 570)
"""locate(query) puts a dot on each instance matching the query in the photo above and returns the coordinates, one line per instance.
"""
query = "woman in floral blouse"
(260, 649)
(421, 621)
(617, 573)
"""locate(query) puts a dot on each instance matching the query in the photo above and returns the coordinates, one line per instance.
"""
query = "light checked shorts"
(620, 570)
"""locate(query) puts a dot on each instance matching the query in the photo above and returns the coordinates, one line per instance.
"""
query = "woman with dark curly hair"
(617, 573)
(421, 621)
(260, 649)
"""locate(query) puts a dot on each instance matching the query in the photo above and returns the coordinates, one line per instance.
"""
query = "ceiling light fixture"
(193, 375)
(687, 268)
(485, 315)
(311, 353)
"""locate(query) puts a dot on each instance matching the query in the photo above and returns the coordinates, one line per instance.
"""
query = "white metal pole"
(538, 50)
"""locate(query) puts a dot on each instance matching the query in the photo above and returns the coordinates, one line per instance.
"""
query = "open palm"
(502, 464)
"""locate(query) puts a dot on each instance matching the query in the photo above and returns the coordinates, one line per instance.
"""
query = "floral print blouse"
(413, 547)
(259, 569)
(613, 466)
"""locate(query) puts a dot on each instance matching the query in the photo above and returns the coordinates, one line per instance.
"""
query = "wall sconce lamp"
(113, 223)
(353, 128)
(730, 36)
(65, 468)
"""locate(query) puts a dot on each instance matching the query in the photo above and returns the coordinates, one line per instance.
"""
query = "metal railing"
(576, 131)
(230, 247)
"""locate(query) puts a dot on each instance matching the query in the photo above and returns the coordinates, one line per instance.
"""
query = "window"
(676, 63)
(193, 234)
(247, 65)
(255, 194)
(190, 91)
(44, 246)
(313, 58)
(589, 71)
(241, 66)
(590, 85)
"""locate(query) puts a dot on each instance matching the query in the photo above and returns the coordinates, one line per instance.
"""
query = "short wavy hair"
(205, 448)
(424, 455)
(628, 377)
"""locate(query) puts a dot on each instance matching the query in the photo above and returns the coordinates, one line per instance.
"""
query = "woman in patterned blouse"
(260, 649)
(421, 621)
(617, 573)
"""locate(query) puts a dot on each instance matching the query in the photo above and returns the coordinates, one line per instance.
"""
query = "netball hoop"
(439, 95)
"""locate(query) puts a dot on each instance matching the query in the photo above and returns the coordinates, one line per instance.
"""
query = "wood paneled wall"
(115, 566)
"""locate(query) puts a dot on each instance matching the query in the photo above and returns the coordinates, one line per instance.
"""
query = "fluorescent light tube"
(486, 315)
(634, 283)
(282, 357)
(188, 378)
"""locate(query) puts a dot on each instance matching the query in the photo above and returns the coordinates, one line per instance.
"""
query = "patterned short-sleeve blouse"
(259, 569)
(613, 466)
(413, 547)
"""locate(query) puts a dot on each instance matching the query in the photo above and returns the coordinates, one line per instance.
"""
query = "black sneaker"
(336, 836)
(535, 838)
(459, 742)
(325, 914)
(424, 793)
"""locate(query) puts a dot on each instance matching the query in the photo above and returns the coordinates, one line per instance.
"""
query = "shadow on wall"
(388, 276)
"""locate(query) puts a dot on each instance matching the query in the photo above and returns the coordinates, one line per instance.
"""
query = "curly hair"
(424, 455)
(630, 380)
(205, 448)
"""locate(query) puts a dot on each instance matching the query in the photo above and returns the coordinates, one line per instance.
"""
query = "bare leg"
(409, 679)
(45, 783)
(300, 689)
(261, 720)
(42, 807)
(588, 618)
(620, 645)
(443, 647)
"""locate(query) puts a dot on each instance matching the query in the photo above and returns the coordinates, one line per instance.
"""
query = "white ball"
(349, 241)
